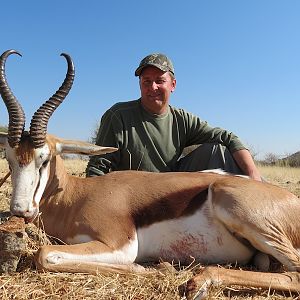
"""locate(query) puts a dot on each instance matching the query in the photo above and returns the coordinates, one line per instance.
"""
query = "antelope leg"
(197, 287)
(92, 257)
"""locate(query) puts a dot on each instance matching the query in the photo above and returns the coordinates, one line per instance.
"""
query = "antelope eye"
(45, 163)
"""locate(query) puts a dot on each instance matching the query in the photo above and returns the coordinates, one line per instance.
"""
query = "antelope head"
(29, 152)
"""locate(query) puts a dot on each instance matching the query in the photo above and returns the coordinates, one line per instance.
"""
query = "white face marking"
(29, 181)
(126, 255)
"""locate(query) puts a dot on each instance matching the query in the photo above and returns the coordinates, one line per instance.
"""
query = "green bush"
(3, 128)
(292, 160)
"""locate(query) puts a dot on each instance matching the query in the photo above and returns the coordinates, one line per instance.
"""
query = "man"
(151, 135)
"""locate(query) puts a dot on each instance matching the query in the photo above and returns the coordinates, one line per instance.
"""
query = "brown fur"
(25, 150)
(127, 206)
(109, 209)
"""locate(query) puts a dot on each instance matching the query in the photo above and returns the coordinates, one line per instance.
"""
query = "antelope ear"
(77, 147)
(3, 139)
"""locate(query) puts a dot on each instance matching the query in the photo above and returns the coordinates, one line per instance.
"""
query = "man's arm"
(244, 159)
(108, 135)
(201, 132)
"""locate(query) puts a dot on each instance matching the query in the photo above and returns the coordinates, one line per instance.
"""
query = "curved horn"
(16, 114)
(39, 121)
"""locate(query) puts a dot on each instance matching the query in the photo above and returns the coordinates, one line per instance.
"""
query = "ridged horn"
(15, 111)
(39, 121)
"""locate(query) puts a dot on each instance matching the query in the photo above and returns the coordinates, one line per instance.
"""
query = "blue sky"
(237, 63)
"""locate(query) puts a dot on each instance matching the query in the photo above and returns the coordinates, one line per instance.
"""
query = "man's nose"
(154, 86)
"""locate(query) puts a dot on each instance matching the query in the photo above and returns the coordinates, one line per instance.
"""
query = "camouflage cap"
(157, 60)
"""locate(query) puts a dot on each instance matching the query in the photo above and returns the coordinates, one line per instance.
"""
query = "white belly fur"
(195, 236)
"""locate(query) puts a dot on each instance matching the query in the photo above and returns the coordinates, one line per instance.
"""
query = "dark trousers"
(208, 156)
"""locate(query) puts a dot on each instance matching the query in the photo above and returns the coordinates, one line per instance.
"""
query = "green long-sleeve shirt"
(151, 142)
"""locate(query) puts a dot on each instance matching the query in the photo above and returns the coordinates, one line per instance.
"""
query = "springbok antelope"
(114, 222)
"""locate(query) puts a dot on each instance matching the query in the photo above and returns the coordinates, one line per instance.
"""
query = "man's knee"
(209, 156)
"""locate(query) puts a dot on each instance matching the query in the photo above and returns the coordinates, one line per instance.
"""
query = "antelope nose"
(29, 216)
(19, 211)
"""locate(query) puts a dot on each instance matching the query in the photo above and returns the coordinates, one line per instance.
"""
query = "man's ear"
(174, 82)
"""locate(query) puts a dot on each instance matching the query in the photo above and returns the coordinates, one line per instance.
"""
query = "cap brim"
(139, 70)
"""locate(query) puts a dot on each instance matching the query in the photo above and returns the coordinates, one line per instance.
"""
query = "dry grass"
(29, 284)
(32, 285)
(286, 177)
(76, 166)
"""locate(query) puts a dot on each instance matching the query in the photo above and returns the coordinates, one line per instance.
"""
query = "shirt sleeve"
(199, 132)
(110, 135)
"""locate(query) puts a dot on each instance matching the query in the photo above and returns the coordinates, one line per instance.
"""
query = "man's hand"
(246, 163)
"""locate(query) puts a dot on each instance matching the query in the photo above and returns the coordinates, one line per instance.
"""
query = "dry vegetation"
(29, 284)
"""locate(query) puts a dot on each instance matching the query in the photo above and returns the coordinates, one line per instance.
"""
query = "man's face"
(156, 87)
